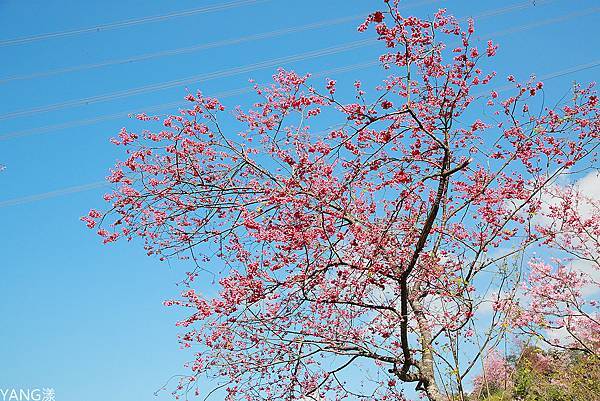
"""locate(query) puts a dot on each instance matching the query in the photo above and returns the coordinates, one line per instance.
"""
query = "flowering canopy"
(367, 246)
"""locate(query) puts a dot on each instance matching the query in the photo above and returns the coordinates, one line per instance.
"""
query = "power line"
(192, 79)
(172, 104)
(227, 42)
(130, 22)
(560, 73)
(163, 106)
(53, 194)
(549, 21)
(503, 10)
(183, 50)
(218, 74)
(100, 184)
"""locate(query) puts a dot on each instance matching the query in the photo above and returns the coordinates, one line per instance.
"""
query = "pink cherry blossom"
(369, 244)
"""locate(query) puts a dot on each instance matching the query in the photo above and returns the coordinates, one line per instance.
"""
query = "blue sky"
(87, 319)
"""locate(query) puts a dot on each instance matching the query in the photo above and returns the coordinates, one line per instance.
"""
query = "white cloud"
(590, 184)
(587, 205)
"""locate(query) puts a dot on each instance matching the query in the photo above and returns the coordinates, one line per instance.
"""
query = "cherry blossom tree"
(556, 291)
(368, 248)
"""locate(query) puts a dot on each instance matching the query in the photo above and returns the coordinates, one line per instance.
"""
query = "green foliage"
(499, 396)
(524, 379)
(550, 376)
